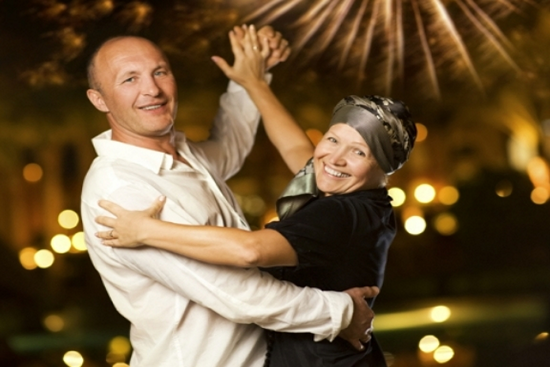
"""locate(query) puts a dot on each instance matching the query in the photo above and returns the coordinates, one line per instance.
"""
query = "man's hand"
(360, 327)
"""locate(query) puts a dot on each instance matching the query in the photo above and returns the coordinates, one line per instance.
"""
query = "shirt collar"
(148, 158)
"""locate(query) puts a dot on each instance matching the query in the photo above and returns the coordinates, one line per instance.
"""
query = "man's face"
(137, 88)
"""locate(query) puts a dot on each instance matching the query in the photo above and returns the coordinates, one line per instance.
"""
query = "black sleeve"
(320, 232)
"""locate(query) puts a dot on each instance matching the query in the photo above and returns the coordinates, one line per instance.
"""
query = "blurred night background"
(468, 278)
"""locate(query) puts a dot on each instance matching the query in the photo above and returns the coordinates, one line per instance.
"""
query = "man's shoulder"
(107, 175)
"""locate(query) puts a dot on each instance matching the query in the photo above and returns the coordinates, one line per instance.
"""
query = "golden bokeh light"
(196, 133)
(73, 359)
(119, 348)
(54, 323)
(440, 313)
(26, 258)
(448, 195)
(32, 172)
(44, 258)
(120, 345)
(538, 171)
(314, 135)
(398, 196)
(253, 205)
(504, 188)
(428, 344)
(541, 336)
(424, 193)
(60, 243)
(78, 241)
(421, 132)
(443, 354)
(446, 224)
(540, 195)
(68, 219)
(415, 225)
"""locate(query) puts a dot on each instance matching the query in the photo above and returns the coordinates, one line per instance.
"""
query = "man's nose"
(150, 87)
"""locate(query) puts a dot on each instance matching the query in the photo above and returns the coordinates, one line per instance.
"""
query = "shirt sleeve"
(320, 232)
(233, 132)
(240, 295)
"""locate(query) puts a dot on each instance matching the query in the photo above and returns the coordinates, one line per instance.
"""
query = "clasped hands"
(255, 53)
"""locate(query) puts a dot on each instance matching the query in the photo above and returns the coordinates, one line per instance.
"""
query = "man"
(184, 312)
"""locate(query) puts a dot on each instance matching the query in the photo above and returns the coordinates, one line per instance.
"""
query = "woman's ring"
(111, 234)
(255, 48)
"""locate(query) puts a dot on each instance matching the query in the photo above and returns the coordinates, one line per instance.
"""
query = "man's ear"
(97, 100)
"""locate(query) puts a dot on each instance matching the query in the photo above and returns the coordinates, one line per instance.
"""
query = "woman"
(336, 220)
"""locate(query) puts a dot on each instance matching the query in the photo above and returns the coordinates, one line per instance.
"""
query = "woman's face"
(344, 163)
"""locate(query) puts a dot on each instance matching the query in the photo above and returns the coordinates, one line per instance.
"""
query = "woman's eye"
(360, 153)
(331, 139)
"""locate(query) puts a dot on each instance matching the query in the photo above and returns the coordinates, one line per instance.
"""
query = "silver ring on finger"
(255, 48)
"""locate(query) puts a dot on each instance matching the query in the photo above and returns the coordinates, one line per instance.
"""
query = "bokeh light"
(448, 195)
(26, 258)
(421, 132)
(440, 313)
(398, 196)
(428, 344)
(44, 258)
(539, 195)
(68, 219)
(60, 243)
(314, 135)
(504, 188)
(54, 323)
(443, 354)
(446, 224)
(415, 225)
(541, 336)
(73, 359)
(32, 172)
(119, 348)
(424, 193)
(78, 241)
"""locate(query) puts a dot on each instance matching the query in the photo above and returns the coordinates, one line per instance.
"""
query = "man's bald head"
(93, 80)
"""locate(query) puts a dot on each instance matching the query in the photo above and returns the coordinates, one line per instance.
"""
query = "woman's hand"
(127, 227)
(251, 53)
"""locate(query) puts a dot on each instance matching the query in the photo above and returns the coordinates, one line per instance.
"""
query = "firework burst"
(380, 39)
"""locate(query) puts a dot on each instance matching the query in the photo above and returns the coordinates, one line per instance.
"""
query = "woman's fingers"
(106, 221)
(105, 235)
(110, 207)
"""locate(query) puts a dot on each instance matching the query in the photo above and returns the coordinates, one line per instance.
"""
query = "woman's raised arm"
(283, 131)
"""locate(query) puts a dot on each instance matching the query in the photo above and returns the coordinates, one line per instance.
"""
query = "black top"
(342, 242)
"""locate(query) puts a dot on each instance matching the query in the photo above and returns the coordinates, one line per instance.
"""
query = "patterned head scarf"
(385, 125)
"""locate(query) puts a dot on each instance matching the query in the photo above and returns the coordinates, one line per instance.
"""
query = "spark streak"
(388, 35)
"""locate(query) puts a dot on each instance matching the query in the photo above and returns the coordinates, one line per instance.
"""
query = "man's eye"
(129, 80)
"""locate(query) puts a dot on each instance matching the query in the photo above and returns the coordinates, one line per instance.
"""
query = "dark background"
(487, 119)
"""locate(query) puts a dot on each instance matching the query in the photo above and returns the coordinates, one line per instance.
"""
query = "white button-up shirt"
(185, 313)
